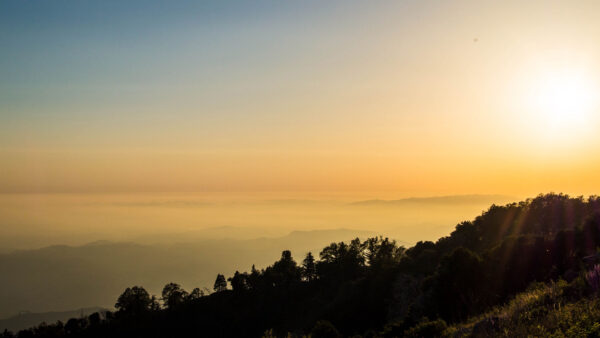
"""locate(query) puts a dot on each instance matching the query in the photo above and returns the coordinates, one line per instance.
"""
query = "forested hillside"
(506, 272)
(70, 277)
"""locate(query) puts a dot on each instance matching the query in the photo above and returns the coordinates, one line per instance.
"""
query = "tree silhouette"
(457, 284)
(173, 295)
(154, 305)
(220, 283)
(94, 319)
(285, 271)
(195, 294)
(375, 287)
(309, 268)
(134, 300)
(255, 278)
(382, 252)
(239, 281)
(6, 334)
(75, 326)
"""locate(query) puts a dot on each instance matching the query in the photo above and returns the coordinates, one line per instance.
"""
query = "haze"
(138, 133)
(36, 220)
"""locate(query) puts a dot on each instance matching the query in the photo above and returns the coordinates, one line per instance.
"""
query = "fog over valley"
(71, 251)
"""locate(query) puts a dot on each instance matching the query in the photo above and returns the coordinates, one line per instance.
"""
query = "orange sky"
(418, 98)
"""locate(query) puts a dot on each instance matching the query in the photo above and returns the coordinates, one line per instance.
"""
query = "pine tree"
(220, 283)
(309, 269)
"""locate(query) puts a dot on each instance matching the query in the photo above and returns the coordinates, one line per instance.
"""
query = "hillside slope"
(454, 286)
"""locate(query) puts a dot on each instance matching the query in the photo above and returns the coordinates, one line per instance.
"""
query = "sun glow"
(560, 104)
(564, 99)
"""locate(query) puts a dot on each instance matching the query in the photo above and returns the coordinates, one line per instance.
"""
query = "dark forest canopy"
(371, 287)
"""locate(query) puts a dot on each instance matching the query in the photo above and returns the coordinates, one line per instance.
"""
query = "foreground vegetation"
(521, 269)
(556, 309)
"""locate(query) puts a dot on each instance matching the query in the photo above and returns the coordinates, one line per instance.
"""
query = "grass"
(558, 309)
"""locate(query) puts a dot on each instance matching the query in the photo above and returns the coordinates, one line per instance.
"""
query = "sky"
(411, 98)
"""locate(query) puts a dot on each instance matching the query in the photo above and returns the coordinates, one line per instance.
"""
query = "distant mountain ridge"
(67, 277)
(28, 319)
(527, 268)
(442, 200)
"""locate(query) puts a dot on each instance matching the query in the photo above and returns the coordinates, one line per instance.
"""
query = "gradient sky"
(413, 97)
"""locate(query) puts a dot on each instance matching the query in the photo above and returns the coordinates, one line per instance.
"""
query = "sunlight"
(556, 100)
(563, 100)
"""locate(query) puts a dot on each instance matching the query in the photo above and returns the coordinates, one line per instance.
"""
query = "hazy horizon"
(38, 220)
(97, 244)
(144, 142)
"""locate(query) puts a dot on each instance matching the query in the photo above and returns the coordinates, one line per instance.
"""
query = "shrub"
(593, 278)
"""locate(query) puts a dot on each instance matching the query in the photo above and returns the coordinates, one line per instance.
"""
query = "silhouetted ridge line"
(376, 288)
(447, 200)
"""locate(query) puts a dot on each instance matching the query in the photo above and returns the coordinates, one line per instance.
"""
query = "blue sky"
(296, 95)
